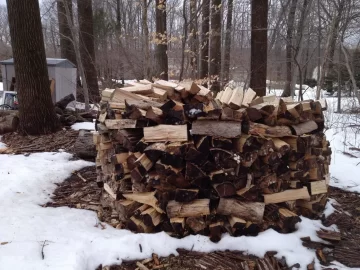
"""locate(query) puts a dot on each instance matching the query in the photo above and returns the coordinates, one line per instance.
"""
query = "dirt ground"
(81, 191)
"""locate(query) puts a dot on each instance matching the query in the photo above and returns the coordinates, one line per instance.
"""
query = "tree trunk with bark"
(66, 44)
(327, 64)
(205, 28)
(226, 75)
(36, 111)
(289, 49)
(193, 39)
(161, 56)
(259, 20)
(87, 47)
(215, 44)
(146, 39)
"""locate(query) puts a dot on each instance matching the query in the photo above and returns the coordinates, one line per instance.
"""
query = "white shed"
(61, 71)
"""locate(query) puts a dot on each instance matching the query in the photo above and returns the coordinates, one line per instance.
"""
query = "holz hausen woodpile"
(174, 158)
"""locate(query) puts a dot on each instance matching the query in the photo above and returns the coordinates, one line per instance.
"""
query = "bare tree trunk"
(259, 21)
(193, 38)
(66, 45)
(215, 44)
(87, 47)
(183, 42)
(327, 65)
(78, 58)
(161, 40)
(36, 110)
(226, 75)
(146, 39)
(299, 44)
(289, 48)
(349, 69)
(205, 28)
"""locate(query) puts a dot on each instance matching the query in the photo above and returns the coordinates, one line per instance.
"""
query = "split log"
(120, 123)
(155, 114)
(225, 189)
(160, 94)
(216, 230)
(226, 95)
(137, 225)
(186, 195)
(252, 211)
(236, 98)
(164, 133)
(145, 198)
(178, 225)
(281, 146)
(226, 129)
(9, 121)
(248, 97)
(196, 208)
(152, 217)
(287, 195)
(229, 114)
(264, 130)
(125, 209)
(155, 151)
(196, 224)
(317, 187)
(304, 128)
(142, 89)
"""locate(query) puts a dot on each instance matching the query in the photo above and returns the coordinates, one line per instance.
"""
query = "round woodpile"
(171, 157)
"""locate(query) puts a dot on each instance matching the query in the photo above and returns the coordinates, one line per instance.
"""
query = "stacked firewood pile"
(173, 158)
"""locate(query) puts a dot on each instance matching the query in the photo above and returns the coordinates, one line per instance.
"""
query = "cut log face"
(166, 133)
(251, 211)
(226, 189)
(226, 129)
(186, 195)
(196, 208)
(304, 128)
(196, 224)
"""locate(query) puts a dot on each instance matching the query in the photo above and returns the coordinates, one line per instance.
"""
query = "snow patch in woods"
(84, 125)
(329, 208)
(38, 238)
(2, 145)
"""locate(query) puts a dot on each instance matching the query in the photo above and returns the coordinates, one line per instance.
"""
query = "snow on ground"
(33, 237)
(2, 145)
(84, 125)
(75, 105)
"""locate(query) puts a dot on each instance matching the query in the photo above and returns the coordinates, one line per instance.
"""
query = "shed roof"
(50, 62)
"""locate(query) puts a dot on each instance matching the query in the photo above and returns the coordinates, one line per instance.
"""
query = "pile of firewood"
(173, 158)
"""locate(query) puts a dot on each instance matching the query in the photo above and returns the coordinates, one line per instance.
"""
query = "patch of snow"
(75, 105)
(73, 239)
(194, 111)
(329, 209)
(2, 145)
(84, 125)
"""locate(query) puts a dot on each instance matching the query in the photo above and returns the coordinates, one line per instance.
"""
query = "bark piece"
(226, 129)
(196, 224)
(225, 189)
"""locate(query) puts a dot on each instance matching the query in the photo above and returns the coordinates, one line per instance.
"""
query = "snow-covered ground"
(84, 125)
(33, 237)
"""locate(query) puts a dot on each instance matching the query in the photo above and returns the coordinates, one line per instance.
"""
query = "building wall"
(65, 82)
(8, 71)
